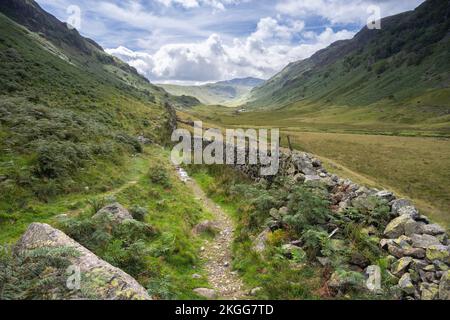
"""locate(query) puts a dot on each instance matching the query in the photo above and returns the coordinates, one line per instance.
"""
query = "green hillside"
(401, 72)
(70, 114)
(228, 93)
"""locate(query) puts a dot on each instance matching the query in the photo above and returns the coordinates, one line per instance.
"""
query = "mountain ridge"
(229, 92)
(389, 65)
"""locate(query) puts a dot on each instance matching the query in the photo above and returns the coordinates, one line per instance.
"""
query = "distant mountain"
(70, 113)
(230, 93)
(405, 65)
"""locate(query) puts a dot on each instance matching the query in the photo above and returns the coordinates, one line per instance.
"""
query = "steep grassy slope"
(69, 113)
(228, 93)
(401, 71)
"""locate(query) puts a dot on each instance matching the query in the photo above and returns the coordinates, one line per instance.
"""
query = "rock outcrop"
(98, 279)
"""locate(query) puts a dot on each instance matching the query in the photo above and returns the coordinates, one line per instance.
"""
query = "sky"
(199, 41)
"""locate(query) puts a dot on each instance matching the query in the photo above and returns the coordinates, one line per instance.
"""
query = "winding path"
(217, 254)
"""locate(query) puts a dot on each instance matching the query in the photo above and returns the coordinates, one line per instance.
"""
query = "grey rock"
(196, 276)
(401, 265)
(417, 253)
(100, 279)
(438, 252)
(209, 294)
(312, 178)
(412, 227)
(115, 211)
(373, 282)
(429, 291)
(406, 285)
(385, 242)
(254, 292)
(386, 195)
(441, 266)
(261, 241)
(409, 211)
(432, 229)
(444, 286)
(396, 205)
(324, 261)
(424, 241)
(396, 227)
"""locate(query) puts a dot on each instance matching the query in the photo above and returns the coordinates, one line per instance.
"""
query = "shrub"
(306, 208)
(160, 176)
(314, 240)
(58, 159)
(130, 141)
(138, 213)
(35, 274)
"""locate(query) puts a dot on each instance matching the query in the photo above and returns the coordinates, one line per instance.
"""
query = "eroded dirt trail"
(217, 252)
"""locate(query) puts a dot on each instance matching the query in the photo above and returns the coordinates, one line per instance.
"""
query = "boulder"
(412, 227)
(396, 227)
(401, 265)
(209, 294)
(432, 229)
(373, 282)
(429, 291)
(424, 241)
(342, 281)
(100, 279)
(409, 211)
(406, 285)
(417, 253)
(115, 212)
(396, 205)
(440, 266)
(438, 252)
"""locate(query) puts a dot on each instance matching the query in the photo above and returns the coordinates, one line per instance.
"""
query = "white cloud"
(338, 11)
(269, 28)
(189, 4)
(262, 54)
